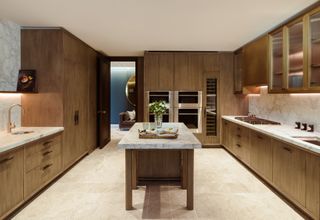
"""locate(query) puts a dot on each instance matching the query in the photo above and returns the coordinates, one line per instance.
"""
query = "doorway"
(123, 93)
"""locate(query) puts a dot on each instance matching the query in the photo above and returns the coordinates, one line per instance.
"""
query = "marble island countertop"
(10, 141)
(282, 132)
(185, 140)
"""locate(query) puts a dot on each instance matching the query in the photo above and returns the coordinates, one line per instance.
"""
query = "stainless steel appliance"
(188, 109)
(183, 106)
(166, 96)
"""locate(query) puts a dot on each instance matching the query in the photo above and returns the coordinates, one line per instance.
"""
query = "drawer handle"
(6, 160)
(258, 136)
(47, 166)
(238, 135)
(238, 128)
(287, 149)
(238, 145)
(47, 152)
(47, 143)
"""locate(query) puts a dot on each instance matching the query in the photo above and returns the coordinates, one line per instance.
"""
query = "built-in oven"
(191, 117)
(167, 96)
(187, 99)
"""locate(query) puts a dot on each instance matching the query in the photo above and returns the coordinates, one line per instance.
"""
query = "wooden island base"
(159, 166)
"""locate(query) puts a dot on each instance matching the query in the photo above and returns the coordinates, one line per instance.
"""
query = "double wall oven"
(183, 106)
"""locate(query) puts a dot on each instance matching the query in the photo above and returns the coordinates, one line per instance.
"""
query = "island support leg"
(190, 173)
(128, 175)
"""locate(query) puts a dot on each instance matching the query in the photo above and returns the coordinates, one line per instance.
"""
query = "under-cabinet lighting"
(263, 87)
(305, 94)
(3, 95)
(253, 94)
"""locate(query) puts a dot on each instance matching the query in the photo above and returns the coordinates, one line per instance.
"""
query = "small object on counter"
(304, 126)
(167, 133)
(310, 128)
(298, 125)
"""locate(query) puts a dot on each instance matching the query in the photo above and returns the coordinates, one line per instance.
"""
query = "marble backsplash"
(10, 55)
(287, 108)
(6, 100)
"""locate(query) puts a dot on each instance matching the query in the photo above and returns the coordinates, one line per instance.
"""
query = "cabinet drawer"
(38, 176)
(11, 180)
(40, 153)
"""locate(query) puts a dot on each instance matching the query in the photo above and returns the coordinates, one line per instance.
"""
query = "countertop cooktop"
(282, 132)
(23, 135)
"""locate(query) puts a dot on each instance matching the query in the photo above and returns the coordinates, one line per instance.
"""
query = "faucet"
(11, 125)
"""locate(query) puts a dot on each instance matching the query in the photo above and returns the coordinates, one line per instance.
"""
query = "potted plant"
(158, 108)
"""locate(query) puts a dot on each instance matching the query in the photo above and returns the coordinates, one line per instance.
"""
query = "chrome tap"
(11, 125)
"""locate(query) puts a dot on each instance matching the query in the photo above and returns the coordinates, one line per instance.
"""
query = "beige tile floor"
(94, 189)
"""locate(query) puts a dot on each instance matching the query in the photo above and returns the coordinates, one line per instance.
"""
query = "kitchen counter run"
(9, 141)
(282, 132)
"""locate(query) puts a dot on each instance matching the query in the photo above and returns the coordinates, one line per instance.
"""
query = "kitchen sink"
(311, 140)
(21, 132)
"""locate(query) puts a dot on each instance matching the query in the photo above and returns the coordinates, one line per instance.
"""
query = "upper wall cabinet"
(255, 62)
(295, 55)
(238, 72)
(182, 71)
(158, 71)
(313, 45)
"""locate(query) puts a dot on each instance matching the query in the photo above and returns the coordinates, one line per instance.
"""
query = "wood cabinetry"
(292, 171)
(238, 72)
(289, 166)
(11, 179)
(42, 163)
(255, 62)
(159, 71)
(261, 154)
(66, 76)
(294, 55)
(313, 185)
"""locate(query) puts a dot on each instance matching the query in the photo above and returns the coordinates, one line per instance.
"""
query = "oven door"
(191, 117)
(187, 99)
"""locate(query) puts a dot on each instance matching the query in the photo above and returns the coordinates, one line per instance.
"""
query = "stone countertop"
(11, 141)
(282, 132)
(185, 140)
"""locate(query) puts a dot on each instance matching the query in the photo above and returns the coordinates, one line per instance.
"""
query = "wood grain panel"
(181, 79)
(42, 50)
(289, 166)
(255, 59)
(313, 184)
(11, 179)
(261, 155)
(159, 164)
(151, 71)
(166, 71)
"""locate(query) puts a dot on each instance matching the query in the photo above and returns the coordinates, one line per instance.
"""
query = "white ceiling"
(128, 27)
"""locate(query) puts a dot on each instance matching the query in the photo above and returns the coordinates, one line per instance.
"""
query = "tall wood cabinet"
(66, 77)
(255, 62)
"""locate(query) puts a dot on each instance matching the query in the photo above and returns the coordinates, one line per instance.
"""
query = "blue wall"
(119, 101)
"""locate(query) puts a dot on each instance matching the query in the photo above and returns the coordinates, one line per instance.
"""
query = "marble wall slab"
(10, 55)
(9, 68)
(287, 108)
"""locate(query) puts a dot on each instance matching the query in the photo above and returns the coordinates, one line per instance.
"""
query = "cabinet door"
(195, 71)
(261, 155)
(166, 71)
(11, 179)
(181, 77)
(188, 71)
(225, 133)
(313, 184)
(238, 72)
(256, 62)
(277, 61)
(289, 166)
(295, 55)
(314, 47)
(151, 71)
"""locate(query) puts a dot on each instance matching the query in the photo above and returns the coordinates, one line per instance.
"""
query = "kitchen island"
(169, 161)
